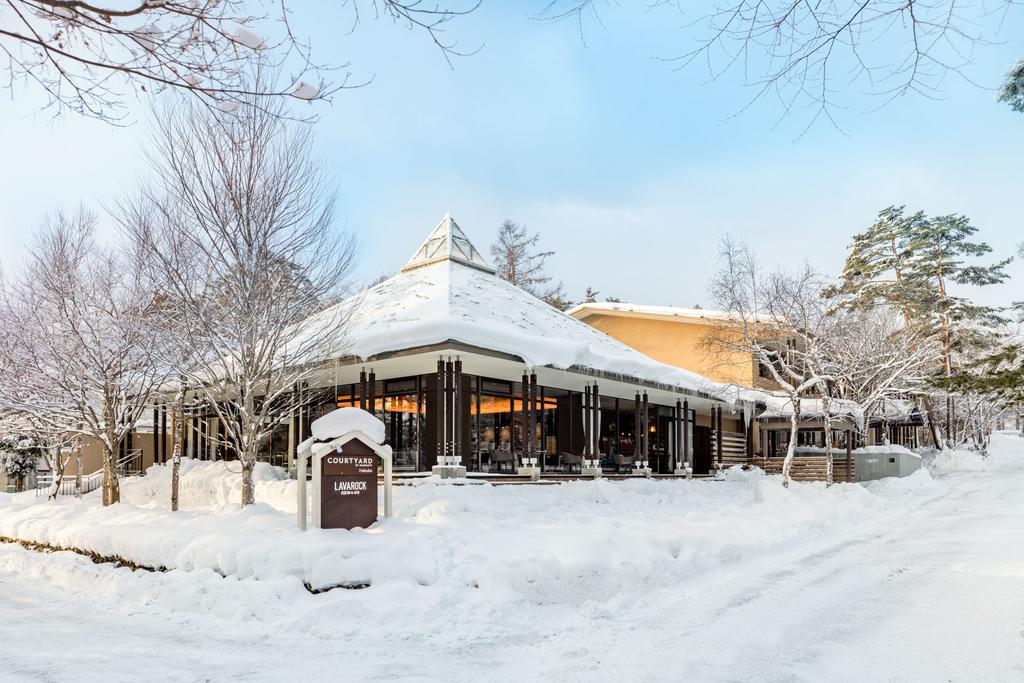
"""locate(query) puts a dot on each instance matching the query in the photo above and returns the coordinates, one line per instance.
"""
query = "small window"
(892, 460)
(492, 386)
(400, 386)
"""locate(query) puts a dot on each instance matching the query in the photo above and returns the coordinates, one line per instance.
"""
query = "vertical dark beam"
(596, 421)
(638, 430)
(525, 380)
(163, 433)
(542, 410)
(849, 456)
(221, 450)
(449, 412)
(439, 418)
(534, 405)
(686, 432)
(371, 393)
(186, 429)
(749, 429)
(457, 407)
(201, 447)
(718, 434)
(586, 422)
(647, 430)
(677, 438)
(361, 404)
(156, 435)
(478, 383)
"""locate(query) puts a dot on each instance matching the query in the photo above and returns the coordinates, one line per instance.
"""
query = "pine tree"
(874, 273)
(519, 262)
(908, 263)
(590, 296)
(1012, 90)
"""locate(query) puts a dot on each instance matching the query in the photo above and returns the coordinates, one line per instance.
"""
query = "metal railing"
(128, 465)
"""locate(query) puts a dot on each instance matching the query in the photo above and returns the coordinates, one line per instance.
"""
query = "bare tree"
(55, 447)
(519, 261)
(239, 223)
(87, 55)
(83, 357)
(880, 357)
(804, 54)
(780, 321)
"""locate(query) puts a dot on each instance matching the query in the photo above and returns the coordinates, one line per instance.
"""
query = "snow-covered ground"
(919, 579)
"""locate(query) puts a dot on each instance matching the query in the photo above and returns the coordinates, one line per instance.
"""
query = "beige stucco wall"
(679, 343)
(92, 453)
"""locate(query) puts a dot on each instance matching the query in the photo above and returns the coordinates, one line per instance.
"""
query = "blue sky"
(628, 167)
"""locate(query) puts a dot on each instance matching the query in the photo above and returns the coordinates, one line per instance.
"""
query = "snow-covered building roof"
(898, 410)
(447, 293)
(669, 312)
(780, 407)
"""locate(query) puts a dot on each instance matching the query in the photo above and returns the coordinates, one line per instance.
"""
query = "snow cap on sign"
(344, 420)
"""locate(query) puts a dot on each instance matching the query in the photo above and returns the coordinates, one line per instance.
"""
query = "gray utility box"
(873, 465)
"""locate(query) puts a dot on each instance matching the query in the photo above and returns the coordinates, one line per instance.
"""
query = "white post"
(291, 439)
(387, 482)
(317, 472)
(301, 501)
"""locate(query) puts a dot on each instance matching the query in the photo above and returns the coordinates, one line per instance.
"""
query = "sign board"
(348, 487)
(345, 460)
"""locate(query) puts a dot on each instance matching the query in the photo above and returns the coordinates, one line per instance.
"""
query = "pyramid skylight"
(447, 242)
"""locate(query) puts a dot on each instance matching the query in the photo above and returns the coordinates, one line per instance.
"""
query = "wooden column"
(647, 430)
(534, 405)
(849, 455)
(686, 433)
(362, 390)
(163, 433)
(677, 438)
(638, 429)
(586, 423)
(718, 435)
(371, 393)
(156, 435)
(457, 399)
(439, 419)
(524, 381)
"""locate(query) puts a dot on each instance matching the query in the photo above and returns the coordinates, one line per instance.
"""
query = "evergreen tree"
(909, 263)
(875, 269)
(518, 261)
(590, 296)
(1012, 90)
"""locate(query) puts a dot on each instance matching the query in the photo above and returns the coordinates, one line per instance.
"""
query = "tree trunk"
(177, 434)
(19, 483)
(248, 498)
(78, 471)
(247, 450)
(111, 486)
(794, 430)
(59, 464)
(933, 428)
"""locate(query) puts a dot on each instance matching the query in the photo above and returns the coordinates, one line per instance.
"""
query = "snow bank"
(920, 482)
(954, 460)
(208, 485)
(567, 543)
